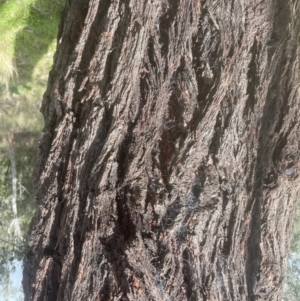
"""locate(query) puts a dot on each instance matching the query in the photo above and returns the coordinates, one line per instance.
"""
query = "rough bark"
(169, 162)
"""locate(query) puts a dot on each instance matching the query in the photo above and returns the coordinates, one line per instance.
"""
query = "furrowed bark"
(168, 169)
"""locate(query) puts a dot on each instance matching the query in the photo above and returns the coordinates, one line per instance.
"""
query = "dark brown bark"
(168, 169)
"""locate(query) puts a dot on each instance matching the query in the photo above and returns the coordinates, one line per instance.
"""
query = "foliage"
(28, 30)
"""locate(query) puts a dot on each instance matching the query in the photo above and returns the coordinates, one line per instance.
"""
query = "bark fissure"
(169, 152)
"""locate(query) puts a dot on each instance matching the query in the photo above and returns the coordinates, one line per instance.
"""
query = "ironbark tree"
(169, 161)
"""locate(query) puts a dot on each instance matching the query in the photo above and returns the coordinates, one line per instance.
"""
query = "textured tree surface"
(168, 169)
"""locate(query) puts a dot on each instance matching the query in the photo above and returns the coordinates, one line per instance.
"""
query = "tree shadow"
(33, 41)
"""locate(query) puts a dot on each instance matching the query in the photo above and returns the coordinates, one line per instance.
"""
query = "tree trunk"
(169, 162)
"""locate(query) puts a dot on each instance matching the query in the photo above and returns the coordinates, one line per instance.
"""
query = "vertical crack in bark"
(206, 56)
(166, 20)
(170, 144)
(153, 60)
(117, 44)
(188, 277)
(92, 41)
(91, 156)
(253, 79)
(72, 24)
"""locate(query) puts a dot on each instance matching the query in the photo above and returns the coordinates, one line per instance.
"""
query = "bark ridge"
(168, 169)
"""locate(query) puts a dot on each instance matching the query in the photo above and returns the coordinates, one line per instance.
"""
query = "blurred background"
(28, 30)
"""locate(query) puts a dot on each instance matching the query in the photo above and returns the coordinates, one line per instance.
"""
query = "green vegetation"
(28, 30)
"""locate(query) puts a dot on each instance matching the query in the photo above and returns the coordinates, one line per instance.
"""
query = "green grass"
(28, 30)
(34, 43)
